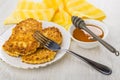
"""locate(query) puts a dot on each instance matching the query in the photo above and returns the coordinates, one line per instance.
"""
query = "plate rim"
(38, 65)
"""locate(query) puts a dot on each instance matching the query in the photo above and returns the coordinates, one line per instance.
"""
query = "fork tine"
(45, 39)
(41, 38)
(37, 37)
(46, 42)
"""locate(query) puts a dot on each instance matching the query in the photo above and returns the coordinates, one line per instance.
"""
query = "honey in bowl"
(82, 35)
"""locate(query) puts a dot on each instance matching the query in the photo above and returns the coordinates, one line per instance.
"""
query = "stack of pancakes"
(22, 43)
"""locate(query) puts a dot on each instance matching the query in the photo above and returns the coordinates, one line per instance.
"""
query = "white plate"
(16, 62)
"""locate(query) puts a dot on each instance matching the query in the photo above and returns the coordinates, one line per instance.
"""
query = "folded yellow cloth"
(39, 14)
(84, 9)
(30, 5)
(58, 11)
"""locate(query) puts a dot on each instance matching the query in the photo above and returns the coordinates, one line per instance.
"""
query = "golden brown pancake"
(21, 42)
(44, 55)
(53, 33)
(40, 56)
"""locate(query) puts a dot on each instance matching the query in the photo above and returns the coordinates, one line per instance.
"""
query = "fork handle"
(99, 67)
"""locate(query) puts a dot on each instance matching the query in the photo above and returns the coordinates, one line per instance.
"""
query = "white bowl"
(88, 45)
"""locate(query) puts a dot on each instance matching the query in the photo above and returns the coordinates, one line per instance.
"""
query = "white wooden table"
(70, 67)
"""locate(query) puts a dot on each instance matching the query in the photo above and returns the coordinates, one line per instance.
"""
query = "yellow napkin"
(84, 9)
(40, 14)
(58, 11)
(30, 5)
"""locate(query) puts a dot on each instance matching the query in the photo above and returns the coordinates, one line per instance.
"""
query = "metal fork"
(49, 44)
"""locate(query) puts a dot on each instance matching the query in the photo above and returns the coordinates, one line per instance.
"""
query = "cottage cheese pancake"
(21, 42)
(53, 34)
(40, 56)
